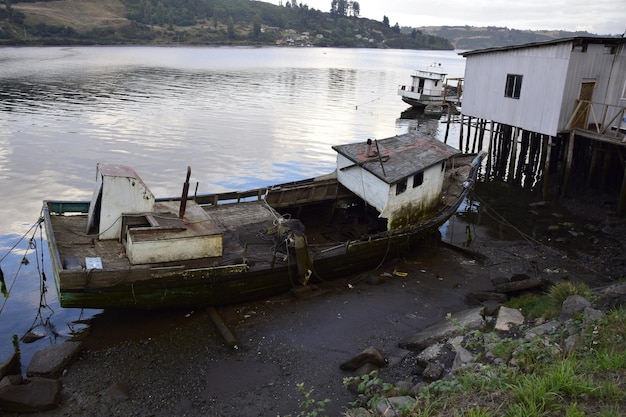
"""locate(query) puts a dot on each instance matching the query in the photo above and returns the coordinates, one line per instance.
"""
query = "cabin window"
(513, 85)
(443, 166)
(610, 49)
(624, 92)
(418, 179)
(401, 187)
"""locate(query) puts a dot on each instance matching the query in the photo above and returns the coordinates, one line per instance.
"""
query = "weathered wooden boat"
(427, 87)
(127, 249)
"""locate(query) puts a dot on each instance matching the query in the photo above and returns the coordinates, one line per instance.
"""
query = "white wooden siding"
(419, 198)
(552, 78)
(362, 183)
(544, 73)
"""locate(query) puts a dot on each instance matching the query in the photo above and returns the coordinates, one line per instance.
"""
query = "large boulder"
(52, 361)
(458, 323)
(370, 355)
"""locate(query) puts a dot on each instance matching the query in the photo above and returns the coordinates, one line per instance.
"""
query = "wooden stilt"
(568, 164)
(606, 165)
(621, 206)
(491, 147)
(545, 162)
(469, 133)
(513, 154)
(481, 138)
(521, 161)
(445, 138)
(594, 161)
(461, 133)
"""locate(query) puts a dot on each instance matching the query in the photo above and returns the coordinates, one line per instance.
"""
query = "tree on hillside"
(386, 21)
(231, 27)
(345, 8)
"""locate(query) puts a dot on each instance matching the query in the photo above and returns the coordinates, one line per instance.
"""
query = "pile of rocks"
(440, 350)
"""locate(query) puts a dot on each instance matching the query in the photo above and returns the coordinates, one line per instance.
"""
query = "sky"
(600, 17)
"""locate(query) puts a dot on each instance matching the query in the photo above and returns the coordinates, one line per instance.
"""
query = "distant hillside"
(469, 37)
(197, 22)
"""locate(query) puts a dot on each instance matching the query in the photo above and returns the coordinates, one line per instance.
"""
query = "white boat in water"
(428, 88)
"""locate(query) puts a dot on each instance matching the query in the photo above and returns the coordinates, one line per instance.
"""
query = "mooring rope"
(6, 292)
(43, 289)
(500, 219)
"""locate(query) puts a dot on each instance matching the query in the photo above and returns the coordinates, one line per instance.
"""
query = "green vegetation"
(201, 22)
(529, 376)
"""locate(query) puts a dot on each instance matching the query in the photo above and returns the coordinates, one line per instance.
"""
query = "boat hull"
(202, 288)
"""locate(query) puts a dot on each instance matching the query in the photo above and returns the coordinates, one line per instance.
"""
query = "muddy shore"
(177, 363)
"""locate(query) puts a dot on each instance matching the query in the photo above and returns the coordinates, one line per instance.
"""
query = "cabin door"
(583, 105)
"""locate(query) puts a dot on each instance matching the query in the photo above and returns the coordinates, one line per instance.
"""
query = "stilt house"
(552, 104)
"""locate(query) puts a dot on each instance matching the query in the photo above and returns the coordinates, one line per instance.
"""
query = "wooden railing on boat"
(284, 195)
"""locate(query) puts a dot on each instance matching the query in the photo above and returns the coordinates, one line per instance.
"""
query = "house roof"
(400, 156)
(576, 40)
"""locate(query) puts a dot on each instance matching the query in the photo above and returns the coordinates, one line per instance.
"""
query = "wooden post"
(445, 138)
(545, 162)
(593, 163)
(568, 163)
(223, 328)
(461, 133)
(469, 133)
(513, 154)
(490, 148)
(483, 124)
(478, 126)
(621, 206)
(521, 162)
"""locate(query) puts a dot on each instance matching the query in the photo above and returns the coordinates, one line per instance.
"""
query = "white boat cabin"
(401, 177)
(122, 207)
(426, 86)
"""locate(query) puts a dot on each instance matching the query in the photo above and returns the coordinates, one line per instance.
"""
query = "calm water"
(240, 117)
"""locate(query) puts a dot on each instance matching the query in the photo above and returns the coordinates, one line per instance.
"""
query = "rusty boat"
(127, 249)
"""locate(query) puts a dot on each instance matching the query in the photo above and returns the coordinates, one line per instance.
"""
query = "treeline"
(472, 37)
(214, 22)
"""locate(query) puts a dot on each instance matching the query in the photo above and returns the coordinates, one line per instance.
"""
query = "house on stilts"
(546, 108)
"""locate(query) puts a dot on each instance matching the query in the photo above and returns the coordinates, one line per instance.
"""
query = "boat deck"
(247, 229)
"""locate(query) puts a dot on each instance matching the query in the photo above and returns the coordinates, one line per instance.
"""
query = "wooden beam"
(568, 163)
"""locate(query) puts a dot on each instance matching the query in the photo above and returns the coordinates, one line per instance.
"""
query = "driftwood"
(514, 286)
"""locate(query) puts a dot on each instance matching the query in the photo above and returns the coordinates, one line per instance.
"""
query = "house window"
(401, 187)
(418, 179)
(513, 85)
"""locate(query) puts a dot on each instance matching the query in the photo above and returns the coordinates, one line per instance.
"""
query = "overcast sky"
(601, 17)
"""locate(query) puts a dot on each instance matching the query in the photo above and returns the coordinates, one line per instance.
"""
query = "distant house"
(566, 93)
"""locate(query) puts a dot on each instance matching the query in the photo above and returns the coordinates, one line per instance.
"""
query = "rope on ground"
(500, 219)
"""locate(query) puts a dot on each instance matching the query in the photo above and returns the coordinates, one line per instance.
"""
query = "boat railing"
(230, 196)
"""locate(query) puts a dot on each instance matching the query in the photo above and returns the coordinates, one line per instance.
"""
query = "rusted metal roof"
(400, 156)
